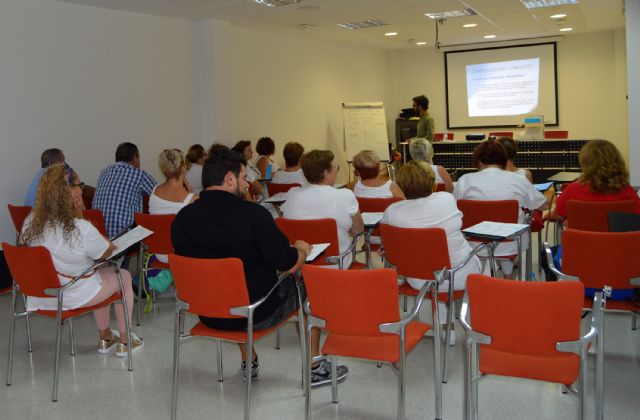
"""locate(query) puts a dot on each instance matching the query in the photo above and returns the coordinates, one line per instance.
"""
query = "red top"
(581, 191)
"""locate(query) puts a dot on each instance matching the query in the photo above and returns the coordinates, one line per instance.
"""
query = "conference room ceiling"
(319, 19)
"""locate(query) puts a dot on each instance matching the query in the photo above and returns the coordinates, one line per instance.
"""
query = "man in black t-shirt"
(220, 224)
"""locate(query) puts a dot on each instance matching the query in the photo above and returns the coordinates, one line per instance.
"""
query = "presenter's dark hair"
(51, 156)
(292, 153)
(422, 101)
(490, 152)
(265, 146)
(126, 152)
(219, 164)
(314, 163)
(510, 146)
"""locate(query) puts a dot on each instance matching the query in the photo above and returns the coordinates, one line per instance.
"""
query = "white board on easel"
(365, 128)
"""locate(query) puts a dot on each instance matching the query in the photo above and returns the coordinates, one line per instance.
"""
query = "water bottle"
(267, 173)
(445, 135)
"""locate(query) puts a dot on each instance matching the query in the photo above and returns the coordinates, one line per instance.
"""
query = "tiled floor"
(93, 386)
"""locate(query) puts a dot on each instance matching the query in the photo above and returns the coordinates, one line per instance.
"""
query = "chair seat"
(562, 368)
(385, 348)
(201, 330)
(406, 289)
(70, 313)
(159, 265)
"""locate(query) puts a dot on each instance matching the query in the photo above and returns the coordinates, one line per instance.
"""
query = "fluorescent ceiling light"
(558, 16)
(469, 25)
(421, 43)
(369, 23)
(391, 34)
(451, 14)
(566, 29)
(489, 36)
(276, 3)
(535, 4)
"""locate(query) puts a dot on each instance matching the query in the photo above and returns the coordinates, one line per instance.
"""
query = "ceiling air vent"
(451, 14)
(369, 23)
(276, 3)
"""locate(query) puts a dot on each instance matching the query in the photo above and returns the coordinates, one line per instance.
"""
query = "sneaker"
(123, 348)
(107, 346)
(255, 368)
(452, 338)
(321, 374)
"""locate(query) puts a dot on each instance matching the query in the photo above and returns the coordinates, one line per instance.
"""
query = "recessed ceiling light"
(566, 29)
(469, 25)
(558, 16)
(489, 36)
(534, 4)
(391, 34)
(421, 43)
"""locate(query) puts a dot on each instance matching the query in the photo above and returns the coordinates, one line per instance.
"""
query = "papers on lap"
(372, 218)
(281, 197)
(543, 187)
(316, 249)
(132, 237)
(495, 229)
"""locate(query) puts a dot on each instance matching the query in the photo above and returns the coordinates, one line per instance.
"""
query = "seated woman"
(265, 149)
(320, 200)
(512, 149)
(493, 182)
(172, 195)
(195, 158)
(74, 243)
(425, 209)
(253, 173)
(370, 185)
(421, 149)
(604, 177)
(292, 173)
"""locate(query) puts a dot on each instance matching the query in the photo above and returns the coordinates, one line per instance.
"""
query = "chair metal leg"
(303, 341)
(404, 303)
(56, 365)
(599, 410)
(278, 339)
(437, 362)
(219, 360)
(248, 359)
(12, 332)
(468, 377)
(582, 384)
(634, 320)
(176, 364)
(29, 347)
(334, 379)
(447, 341)
(125, 311)
(71, 339)
(401, 368)
(141, 276)
(307, 378)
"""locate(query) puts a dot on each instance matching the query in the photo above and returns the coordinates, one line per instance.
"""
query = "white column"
(633, 86)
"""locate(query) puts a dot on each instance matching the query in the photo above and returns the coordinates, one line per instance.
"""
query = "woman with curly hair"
(604, 177)
(74, 243)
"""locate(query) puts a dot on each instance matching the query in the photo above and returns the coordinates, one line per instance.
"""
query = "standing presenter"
(425, 123)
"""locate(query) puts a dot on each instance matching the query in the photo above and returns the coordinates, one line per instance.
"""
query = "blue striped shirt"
(119, 194)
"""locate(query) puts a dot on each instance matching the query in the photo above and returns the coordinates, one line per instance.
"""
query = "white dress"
(159, 205)
(322, 202)
(383, 191)
(284, 177)
(194, 176)
(71, 257)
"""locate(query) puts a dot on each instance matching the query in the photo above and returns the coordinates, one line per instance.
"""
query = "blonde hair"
(367, 164)
(603, 167)
(416, 179)
(171, 163)
(54, 206)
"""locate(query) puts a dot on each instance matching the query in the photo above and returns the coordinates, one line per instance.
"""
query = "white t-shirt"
(284, 177)
(438, 210)
(383, 191)
(438, 179)
(322, 202)
(159, 205)
(498, 184)
(194, 176)
(71, 257)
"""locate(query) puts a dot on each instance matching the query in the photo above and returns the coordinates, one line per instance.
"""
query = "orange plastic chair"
(515, 329)
(319, 231)
(556, 134)
(374, 205)
(594, 215)
(423, 253)
(158, 243)
(360, 312)
(440, 186)
(440, 136)
(41, 280)
(273, 188)
(599, 260)
(501, 134)
(503, 211)
(18, 216)
(97, 219)
(217, 288)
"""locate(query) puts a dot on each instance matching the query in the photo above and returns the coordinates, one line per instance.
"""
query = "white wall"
(85, 79)
(633, 110)
(591, 85)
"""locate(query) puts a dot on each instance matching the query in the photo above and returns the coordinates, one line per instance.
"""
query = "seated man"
(120, 187)
(48, 158)
(223, 225)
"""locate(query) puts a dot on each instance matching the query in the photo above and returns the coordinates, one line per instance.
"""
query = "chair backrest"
(316, 231)
(87, 196)
(526, 318)
(96, 218)
(623, 222)
(145, 203)
(556, 134)
(274, 189)
(476, 211)
(501, 134)
(375, 205)
(160, 225)
(440, 136)
(594, 215)
(352, 302)
(416, 252)
(601, 258)
(32, 278)
(210, 286)
(440, 186)
(18, 215)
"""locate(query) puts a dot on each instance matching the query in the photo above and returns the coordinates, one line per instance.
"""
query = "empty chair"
(556, 134)
(515, 329)
(18, 216)
(594, 215)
